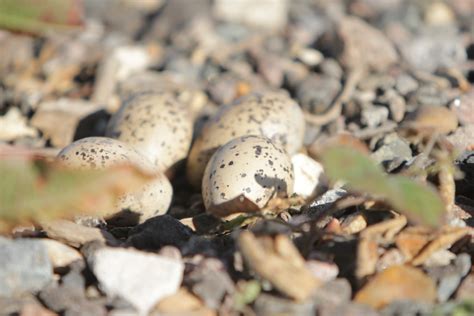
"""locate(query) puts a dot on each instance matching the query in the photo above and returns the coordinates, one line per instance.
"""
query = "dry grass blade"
(367, 257)
(281, 264)
(370, 238)
(444, 239)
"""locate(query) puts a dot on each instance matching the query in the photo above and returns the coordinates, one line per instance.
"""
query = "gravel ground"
(394, 76)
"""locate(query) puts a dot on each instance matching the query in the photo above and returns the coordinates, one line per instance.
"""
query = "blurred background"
(91, 53)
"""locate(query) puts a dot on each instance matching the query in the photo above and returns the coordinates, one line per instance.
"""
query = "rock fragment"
(24, 266)
(141, 278)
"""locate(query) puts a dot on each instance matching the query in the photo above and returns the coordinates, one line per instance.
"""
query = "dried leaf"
(367, 257)
(419, 202)
(181, 302)
(397, 283)
(432, 119)
(411, 240)
(444, 239)
(38, 17)
(385, 231)
(371, 237)
(288, 276)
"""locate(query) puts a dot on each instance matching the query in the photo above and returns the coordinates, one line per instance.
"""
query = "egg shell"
(273, 115)
(156, 125)
(95, 153)
(244, 174)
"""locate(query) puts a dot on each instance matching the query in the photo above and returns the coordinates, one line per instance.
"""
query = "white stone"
(307, 174)
(323, 271)
(13, 125)
(141, 278)
(265, 14)
(310, 57)
(122, 62)
(438, 258)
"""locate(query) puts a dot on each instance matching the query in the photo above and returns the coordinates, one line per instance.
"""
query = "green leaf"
(40, 16)
(419, 202)
(247, 293)
(359, 172)
(28, 194)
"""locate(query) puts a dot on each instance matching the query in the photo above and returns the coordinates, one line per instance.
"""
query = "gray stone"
(392, 152)
(65, 296)
(87, 308)
(406, 84)
(429, 95)
(373, 116)
(463, 106)
(395, 102)
(463, 137)
(24, 266)
(449, 277)
(159, 231)
(376, 81)
(317, 93)
(319, 206)
(331, 68)
(349, 309)
(210, 282)
(430, 52)
(406, 308)
(335, 292)
(141, 278)
(269, 305)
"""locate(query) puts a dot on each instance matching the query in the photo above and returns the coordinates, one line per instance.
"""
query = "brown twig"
(335, 111)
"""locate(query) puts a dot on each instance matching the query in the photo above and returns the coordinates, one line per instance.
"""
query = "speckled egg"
(186, 92)
(273, 115)
(244, 174)
(101, 152)
(156, 125)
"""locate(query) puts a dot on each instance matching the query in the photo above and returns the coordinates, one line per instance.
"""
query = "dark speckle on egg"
(272, 115)
(266, 178)
(149, 121)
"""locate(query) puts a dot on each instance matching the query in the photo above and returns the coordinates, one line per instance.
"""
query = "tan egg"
(244, 174)
(100, 153)
(156, 125)
(184, 91)
(272, 115)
